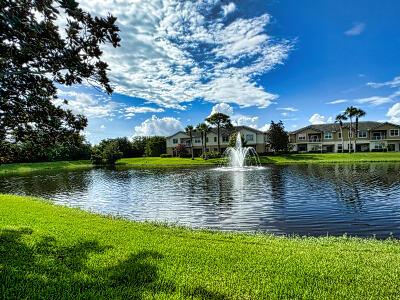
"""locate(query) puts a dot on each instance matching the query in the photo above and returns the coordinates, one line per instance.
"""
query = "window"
(215, 139)
(249, 137)
(378, 146)
(206, 139)
(301, 137)
(197, 141)
(328, 135)
(339, 135)
(225, 139)
(362, 134)
(394, 132)
(174, 141)
(339, 147)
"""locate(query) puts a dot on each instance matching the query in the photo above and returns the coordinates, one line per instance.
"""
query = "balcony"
(378, 137)
(314, 140)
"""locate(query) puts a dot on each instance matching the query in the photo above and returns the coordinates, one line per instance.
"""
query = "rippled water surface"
(362, 200)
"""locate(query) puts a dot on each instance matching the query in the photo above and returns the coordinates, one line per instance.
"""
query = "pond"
(357, 199)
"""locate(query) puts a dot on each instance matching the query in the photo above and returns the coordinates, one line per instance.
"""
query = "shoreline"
(156, 162)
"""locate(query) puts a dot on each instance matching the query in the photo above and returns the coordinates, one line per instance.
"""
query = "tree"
(204, 129)
(111, 153)
(123, 144)
(278, 137)
(155, 146)
(139, 145)
(189, 132)
(339, 119)
(180, 150)
(221, 121)
(35, 57)
(359, 113)
(351, 112)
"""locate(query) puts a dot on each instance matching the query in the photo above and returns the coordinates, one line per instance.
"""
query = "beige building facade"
(371, 136)
(253, 137)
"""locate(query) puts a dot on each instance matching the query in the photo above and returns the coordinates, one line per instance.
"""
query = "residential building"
(253, 137)
(371, 136)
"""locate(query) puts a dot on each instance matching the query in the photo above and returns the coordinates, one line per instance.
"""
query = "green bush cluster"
(211, 154)
(165, 155)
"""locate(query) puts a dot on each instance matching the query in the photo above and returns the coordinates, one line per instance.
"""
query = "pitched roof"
(223, 131)
(363, 125)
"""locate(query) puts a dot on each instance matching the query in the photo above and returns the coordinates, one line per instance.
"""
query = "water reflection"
(359, 199)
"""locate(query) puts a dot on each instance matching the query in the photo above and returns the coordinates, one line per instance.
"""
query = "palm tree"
(339, 119)
(189, 132)
(351, 112)
(358, 114)
(220, 120)
(203, 128)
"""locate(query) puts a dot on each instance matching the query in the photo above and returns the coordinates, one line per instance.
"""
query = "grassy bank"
(170, 161)
(187, 162)
(50, 252)
(21, 168)
(332, 158)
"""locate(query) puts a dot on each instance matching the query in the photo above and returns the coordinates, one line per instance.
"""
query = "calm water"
(362, 200)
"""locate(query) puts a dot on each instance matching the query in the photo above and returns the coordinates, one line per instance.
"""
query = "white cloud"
(236, 119)
(176, 51)
(223, 108)
(395, 82)
(229, 8)
(356, 29)
(337, 101)
(131, 111)
(375, 100)
(265, 127)
(292, 109)
(319, 119)
(394, 113)
(102, 126)
(158, 126)
(85, 104)
(240, 120)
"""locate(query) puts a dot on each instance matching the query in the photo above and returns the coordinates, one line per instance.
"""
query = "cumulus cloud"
(356, 29)
(338, 101)
(236, 119)
(223, 108)
(177, 51)
(265, 127)
(394, 113)
(229, 8)
(158, 126)
(85, 104)
(319, 119)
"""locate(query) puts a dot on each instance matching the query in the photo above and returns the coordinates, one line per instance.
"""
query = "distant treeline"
(77, 148)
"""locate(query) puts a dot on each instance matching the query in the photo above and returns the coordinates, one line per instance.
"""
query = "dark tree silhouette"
(36, 55)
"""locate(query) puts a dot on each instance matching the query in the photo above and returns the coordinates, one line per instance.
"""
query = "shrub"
(97, 156)
(165, 155)
(111, 153)
(211, 154)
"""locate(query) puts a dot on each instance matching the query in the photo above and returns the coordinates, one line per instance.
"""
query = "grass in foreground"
(50, 252)
(21, 168)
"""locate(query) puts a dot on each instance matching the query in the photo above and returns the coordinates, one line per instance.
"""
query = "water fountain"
(239, 157)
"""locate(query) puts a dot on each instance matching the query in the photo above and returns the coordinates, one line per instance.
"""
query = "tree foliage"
(219, 120)
(37, 55)
(155, 146)
(277, 136)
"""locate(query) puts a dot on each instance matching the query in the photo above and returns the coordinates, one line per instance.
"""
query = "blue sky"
(297, 61)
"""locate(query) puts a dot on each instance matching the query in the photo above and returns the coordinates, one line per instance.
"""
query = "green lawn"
(21, 168)
(170, 161)
(332, 158)
(187, 162)
(55, 252)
